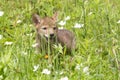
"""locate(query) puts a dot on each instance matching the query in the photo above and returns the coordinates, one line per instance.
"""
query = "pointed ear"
(55, 16)
(36, 19)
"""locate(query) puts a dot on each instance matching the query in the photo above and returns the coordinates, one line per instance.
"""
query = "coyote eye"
(44, 28)
(54, 28)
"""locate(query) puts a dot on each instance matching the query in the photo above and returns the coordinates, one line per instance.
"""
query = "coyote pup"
(48, 32)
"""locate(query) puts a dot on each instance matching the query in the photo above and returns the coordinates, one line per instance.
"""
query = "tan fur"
(46, 29)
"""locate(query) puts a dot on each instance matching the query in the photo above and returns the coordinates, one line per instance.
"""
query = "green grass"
(98, 41)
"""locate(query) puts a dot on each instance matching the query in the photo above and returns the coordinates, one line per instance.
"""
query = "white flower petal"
(118, 21)
(90, 13)
(67, 18)
(46, 71)
(64, 78)
(29, 34)
(77, 67)
(1, 13)
(61, 72)
(78, 25)
(19, 21)
(86, 69)
(35, 67)
(8, 43)
(34, 45)
(1, 36)
(62, 23)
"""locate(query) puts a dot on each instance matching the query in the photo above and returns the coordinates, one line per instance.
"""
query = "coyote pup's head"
(46, 26)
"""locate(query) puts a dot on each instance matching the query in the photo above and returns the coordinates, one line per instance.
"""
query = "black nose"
(51, 35)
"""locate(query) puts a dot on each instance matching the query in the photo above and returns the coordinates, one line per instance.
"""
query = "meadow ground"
(96, 24)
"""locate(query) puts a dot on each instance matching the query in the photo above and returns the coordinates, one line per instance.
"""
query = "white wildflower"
(46, 71)
(118, 21)
(34, 45)
(29, 34)
(35, 67)
(19, 21)
(64, 78)
(1, 13)
(67, 18)
(78, 25)
(90, 13)
(8, 43)
(86, 70)
(77, 67)
(60, 28)
(1, 36)
(62, 23)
